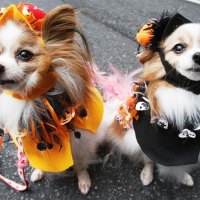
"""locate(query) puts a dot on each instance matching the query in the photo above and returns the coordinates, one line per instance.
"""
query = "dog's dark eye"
(178, 48)
(25, 55)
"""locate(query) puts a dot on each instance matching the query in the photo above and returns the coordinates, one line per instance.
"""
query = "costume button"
(41, 146)
(77, 134)
(83, 112)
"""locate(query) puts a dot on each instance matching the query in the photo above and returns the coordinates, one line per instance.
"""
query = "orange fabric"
(51, 110)
(127, 110)
(12, 13)
(94, 109)
(60, 157)
(27, 13)
(56, 159)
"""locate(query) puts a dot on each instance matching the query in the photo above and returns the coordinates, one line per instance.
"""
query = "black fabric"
(176, 21)
(164, 146)
(164, 26)
(176, 79)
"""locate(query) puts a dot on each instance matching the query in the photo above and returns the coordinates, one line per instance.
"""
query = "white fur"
(9, 36)
(37, 175)
(178, 104)
(190, 38)
(146, 175)
(177, 173)
(71, 79)
(128, 143)
(11, 111)
(32, 81)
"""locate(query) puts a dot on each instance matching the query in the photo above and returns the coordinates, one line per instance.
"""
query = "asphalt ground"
(110, 26)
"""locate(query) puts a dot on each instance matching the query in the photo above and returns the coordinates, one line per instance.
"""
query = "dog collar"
(176, 79)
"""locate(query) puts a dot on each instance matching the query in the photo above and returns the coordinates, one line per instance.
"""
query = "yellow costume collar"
(45, 160)
(58, 159)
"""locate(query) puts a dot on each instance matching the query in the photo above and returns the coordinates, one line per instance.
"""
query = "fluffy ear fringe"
(59, 24)
(62, 33)
(116, 84)
(66, 44)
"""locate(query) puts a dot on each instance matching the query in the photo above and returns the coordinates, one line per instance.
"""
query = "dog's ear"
(61, 27)
(59, 24)
(67, 46)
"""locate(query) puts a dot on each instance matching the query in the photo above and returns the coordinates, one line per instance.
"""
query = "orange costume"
(47, 143)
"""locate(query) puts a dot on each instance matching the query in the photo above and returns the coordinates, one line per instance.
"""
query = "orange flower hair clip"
(145, 34)
(28, 13)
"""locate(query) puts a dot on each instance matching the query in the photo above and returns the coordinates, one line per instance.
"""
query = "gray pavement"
(110, 26)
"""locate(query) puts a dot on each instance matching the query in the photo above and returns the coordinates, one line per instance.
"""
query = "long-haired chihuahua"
(47, 98)
(160, 120)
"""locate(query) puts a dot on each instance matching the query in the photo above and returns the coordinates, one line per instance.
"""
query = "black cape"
(165, 146)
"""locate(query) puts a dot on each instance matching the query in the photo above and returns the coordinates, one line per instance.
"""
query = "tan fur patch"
(152, 73)
(117, 130)
(155, 110)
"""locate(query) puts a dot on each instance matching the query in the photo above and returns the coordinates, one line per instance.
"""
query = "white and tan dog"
(48, 99)
(166, 120)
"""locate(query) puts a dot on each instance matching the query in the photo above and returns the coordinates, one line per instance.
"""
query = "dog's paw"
(146, 175)
(84, 182)
(187, 180)
(37, 175)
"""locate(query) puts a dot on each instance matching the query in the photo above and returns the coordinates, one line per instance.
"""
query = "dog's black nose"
(2, 69)
(196, 58)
